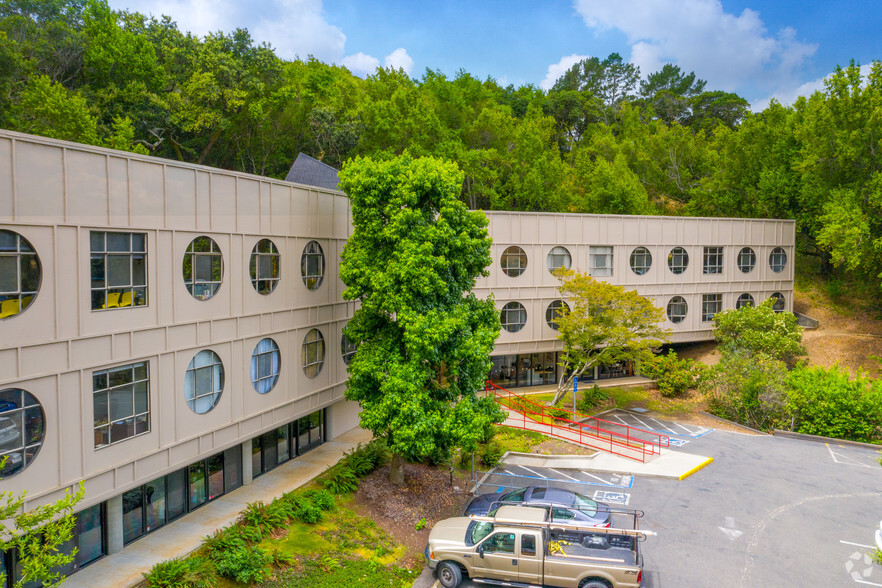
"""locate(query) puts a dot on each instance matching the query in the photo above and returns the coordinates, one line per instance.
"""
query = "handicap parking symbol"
(677, 442)
(617, 498)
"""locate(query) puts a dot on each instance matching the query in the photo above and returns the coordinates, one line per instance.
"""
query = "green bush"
(193, 572)
(225, 540)
(673, 375)
(829, 403)
(760, 330)
(557, 413)
(490, 454)
(590, 399)
(321, 498)
(339, 479)
(748, 389)
(266, 517)
(244, 564)
(307, 512)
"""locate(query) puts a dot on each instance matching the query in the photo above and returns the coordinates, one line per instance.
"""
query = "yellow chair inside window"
(9, 307)
(125, 299)
(112, 300)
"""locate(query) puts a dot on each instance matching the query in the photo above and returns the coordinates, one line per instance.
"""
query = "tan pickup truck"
(519, 547)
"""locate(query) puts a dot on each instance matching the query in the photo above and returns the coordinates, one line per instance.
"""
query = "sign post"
(575, 389)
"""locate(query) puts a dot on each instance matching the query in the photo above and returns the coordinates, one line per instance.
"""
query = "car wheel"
(449, 574)
(593, 583)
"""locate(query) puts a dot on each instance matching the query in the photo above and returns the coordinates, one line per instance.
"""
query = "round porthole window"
(746, 260)
(313, 353)
(641, 260)
(203, 268)
(264, 266)
(312, 265)
(20, 274)
(22, 427)
(554, 311)
(677, 309)
(678, 260)
(204, 381)
(513, 317)
(513, 261)
(265, 363)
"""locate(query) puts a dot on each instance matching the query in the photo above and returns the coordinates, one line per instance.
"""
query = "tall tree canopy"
(423, 339)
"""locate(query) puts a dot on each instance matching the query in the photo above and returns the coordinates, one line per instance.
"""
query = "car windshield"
(584, 504)
(477, 531)
(516, 496)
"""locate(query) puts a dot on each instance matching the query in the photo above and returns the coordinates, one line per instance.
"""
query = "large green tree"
(423, 338)
(604, 324)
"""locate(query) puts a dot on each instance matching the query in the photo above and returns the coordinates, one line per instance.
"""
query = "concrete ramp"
(670, 464)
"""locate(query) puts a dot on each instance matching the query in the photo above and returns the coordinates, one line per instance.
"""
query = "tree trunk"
(396, 470)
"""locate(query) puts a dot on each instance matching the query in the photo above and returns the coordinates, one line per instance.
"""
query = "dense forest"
(604, 139)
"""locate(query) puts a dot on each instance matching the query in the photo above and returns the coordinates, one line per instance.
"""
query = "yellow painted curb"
(696, 468)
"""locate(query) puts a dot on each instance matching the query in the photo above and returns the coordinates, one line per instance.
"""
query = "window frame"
(508, 309)
(552, 312)
(217, 388)
(779, 254)
(641, 254)
(713, 260)
(347, 349)
(258, 379)
(513, 252)
(680, 254)
(107, 390)
(25, 449)
(314, 339)
(138, 293)
(746, 260)
(214, 254)
(258, 280)
(668, 309)
(595, 254)
(312, 281)
(558, 253)
(21, 254)
(745, 299)
(706, 300)
(779, 297)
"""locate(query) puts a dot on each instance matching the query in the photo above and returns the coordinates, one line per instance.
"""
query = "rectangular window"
(198, 491)
(270, 458)
(600, 261)
(283, 435)
(713, 260)
(711, 304)
(256, 457)
(215, 476)
(154, 507)
(90, 535)
(528, 545)
(119, 269)
(133, 517)
(121, 403)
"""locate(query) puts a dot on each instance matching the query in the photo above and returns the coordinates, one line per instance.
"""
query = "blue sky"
(757, 48)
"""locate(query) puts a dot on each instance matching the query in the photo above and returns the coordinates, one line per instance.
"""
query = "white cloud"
(556, 70)
(361, 64)
(698, 35)
(399, 59)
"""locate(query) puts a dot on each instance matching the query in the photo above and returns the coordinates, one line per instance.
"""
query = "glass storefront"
(541, 369)
(280, 445)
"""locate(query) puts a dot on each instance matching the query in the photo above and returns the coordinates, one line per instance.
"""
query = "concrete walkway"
(184, 535)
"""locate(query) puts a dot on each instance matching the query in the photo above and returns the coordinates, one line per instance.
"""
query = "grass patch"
(330, 572)
(623, 397)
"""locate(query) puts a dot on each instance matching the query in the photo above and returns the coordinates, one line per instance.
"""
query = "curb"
(696, 468)
(820, 439)
(733, 423)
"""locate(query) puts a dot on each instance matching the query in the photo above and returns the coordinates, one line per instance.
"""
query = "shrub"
(265, 517)
(760, 330)
(339, 479)
(245, 564)
(194, 572)
(307, 512)
(321, 498)
(557, 413)
(673, 375)
(224, 540)
(747, 389)
(591, 397)
(490, 454)
(421, 524)
(829, 403)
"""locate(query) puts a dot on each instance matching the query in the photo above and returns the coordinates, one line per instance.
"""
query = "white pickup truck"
(519, 547)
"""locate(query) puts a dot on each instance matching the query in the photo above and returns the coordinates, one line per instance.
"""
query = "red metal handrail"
(617, 443)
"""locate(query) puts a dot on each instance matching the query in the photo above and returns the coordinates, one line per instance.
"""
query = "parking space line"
(848, 460)
(596, 477)
(563, 474)
(856, 544)
(535, 473)
(868, 583)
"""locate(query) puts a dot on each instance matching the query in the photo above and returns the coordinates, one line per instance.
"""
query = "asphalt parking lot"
(769, 511)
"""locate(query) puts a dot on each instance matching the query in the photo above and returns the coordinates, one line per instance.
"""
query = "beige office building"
(169, 331)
